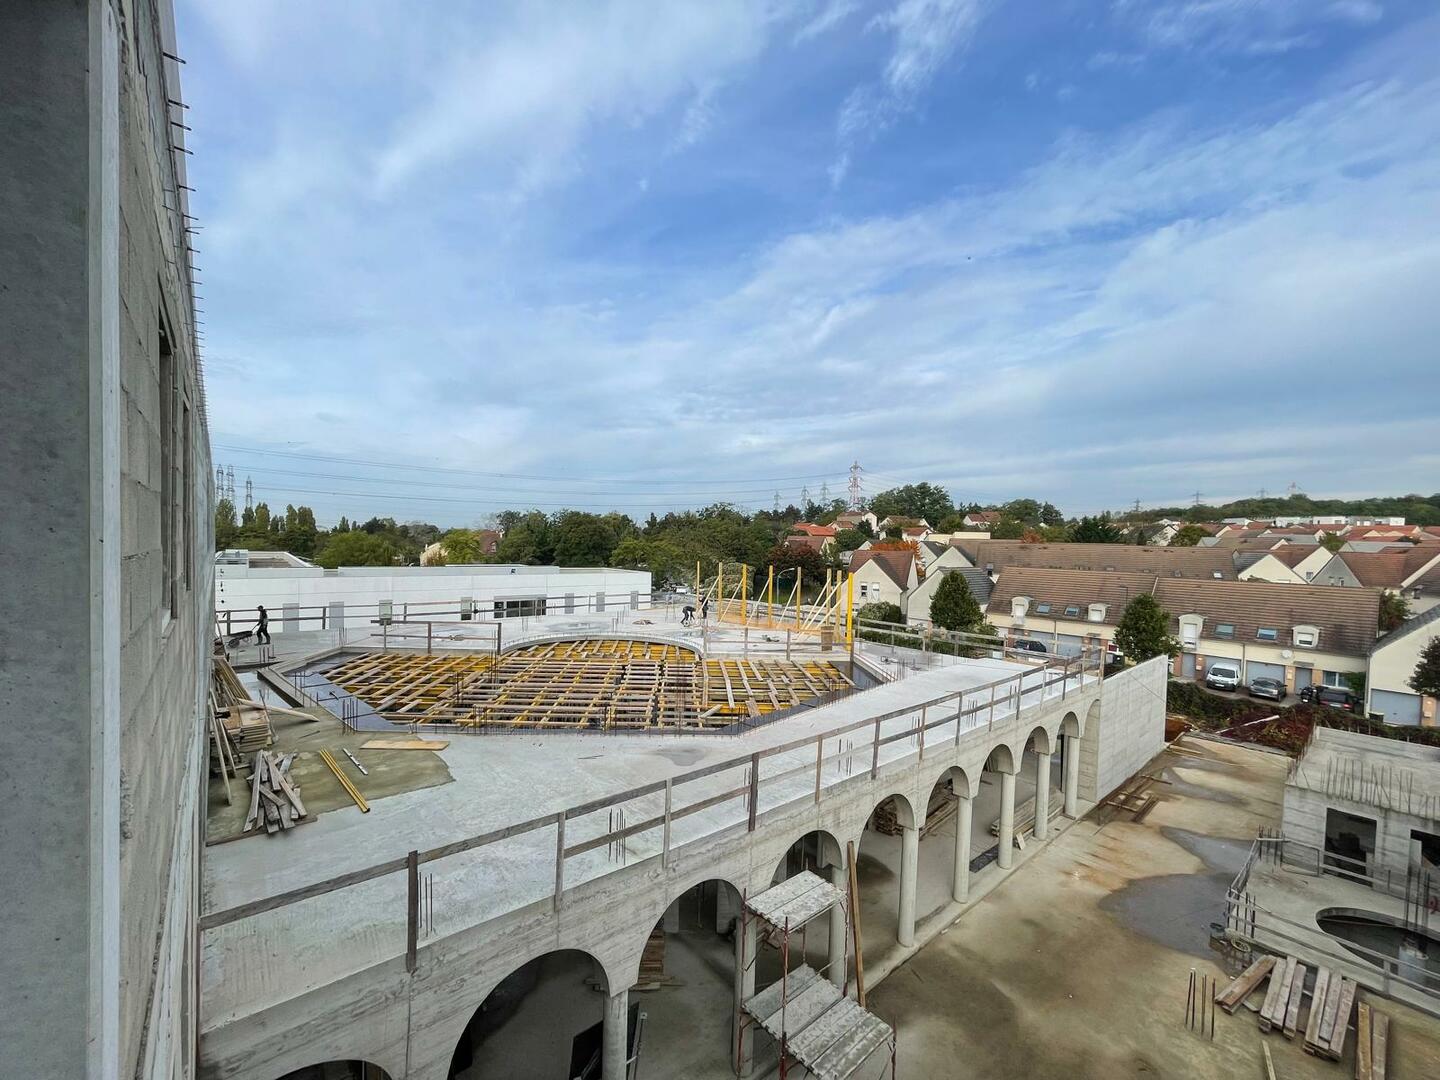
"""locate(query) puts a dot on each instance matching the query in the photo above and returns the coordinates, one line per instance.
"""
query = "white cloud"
(831, 15)
(1274, 26)
(926, 35)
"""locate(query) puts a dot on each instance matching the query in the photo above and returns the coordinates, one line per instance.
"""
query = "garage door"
(1069, 644)
(1398, 708)
(1211, 661)
(1256, 670)
(1187, 665)
(1304, 676)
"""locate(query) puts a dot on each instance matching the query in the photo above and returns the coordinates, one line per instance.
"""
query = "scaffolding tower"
(817, 1026)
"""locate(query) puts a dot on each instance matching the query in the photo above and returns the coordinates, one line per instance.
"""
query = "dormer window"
(1307, 637)
(1097, 612)
(1190, 630)
(1018, 606)
(1267, 633)
(1225, 630)
(1042, 609)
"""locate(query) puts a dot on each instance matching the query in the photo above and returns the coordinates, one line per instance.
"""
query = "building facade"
(106, 535)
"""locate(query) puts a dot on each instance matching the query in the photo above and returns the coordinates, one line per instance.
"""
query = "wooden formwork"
(591, 683)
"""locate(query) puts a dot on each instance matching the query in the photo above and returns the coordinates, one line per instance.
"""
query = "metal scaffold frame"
(832, 610)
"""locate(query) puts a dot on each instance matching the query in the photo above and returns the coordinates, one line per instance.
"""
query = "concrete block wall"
(1304, 815)
(105, 746)
(1130, 729)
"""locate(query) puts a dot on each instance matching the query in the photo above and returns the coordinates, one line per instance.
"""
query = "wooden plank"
(1342, 1019)
(405, 744)
(1297, 995)
(1379, 1039)
(1269, 1065)
(1363, 1068)
(855, 925)
(1244, 985)
(1327, 1018)
(1317, 1006)
(1275, 993)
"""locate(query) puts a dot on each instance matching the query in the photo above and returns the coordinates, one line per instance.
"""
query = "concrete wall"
(1304, 815)
(103, 688)
(1126, 731)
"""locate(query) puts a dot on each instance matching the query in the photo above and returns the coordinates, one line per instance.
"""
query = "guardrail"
(869, 738)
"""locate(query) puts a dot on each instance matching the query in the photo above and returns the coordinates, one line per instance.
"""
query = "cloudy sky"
(641, 255)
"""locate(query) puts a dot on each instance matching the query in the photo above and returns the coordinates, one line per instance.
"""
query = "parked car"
(1265, 687)
(1029, 645)
(1332, 696)
(1223, 676)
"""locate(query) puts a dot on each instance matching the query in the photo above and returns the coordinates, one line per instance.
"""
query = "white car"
(1223, 676)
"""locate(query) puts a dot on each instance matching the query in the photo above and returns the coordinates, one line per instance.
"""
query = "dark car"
(1332, 696)
(1265, 687)
(1027, 645)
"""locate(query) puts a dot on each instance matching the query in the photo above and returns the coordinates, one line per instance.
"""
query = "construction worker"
(262, 627)
(687, 615)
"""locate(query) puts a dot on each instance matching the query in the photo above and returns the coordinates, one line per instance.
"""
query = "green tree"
(355, 548)
(1007, 529)
(262, 517)
(1426, 679)
(879, 611)
(1394, 610)
(1096, 530)
(1188, 536)
(1144, 630)
(1332, 541)
(850, 539)
(226, 528)
(811, 564)
(583, 540)
(527, 540)
(462, 546)
(929, 501)
(954, 607)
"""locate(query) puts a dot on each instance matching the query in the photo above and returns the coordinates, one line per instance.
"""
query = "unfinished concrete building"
(105, 612)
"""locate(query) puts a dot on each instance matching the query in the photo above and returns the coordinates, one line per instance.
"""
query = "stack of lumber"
(1372, 1031)
(1331, 1003)
(1234, 995)
(942, 806)
(1284, 997)
(246, 721)
(274, 797)
(652, 963)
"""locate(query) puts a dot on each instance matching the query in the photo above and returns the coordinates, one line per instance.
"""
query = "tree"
(355, 548)
(1332, 541)
(226, 529)
(954, 607)
(1394, 610)
(806, 559)
(527, 539)
(462, 546)
(1007, 529)
(1188, 536)
(1144, 630)
(1426, 679)
(850, 539)
(928, 501)
(583, 540)
(879, 611)
(1096, 530)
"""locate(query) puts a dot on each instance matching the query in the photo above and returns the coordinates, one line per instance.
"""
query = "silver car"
(1265, 687)
(1222, 677)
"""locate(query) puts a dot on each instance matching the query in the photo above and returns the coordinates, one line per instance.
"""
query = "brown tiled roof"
(1292, 554)
(1189, 562)
(813, 530)
(801, 540)
(1062, 588)
(896, 564)
(1387, 569)
(1348, 618)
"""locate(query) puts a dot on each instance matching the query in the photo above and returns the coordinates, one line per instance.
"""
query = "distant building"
(995, 556)
(883, 576)
(853, 519)
(983, 519)
(916, 603)
(1392, 663)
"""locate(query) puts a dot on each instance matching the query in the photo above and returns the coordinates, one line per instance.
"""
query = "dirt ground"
(1077, 966)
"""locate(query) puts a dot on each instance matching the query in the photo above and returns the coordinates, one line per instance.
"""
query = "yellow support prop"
(770, 599)
(719, 590)
(849, 608)
(744, 589)
(799, 596)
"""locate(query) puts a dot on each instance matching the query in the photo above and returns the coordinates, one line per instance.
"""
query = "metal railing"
(801, 770)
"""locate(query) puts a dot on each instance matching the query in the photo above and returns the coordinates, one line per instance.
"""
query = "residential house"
(983, 519)
(896, 524)
(1267, 566)
(1392, 661)
(852, 519)
(883, 577)
(1187, 562)
(915, 533)
(916, 603)
(1413, 573)
(934, 555)
(1300, 636)
(819, 538)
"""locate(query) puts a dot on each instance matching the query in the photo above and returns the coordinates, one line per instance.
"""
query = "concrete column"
(616, 1037)
(1072, 775)
(743, 1041)
(1042, 795)
(964, 822)
(1007, 819)
(909, 871)
(836, 955)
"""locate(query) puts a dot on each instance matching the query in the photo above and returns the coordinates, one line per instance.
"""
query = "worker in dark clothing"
(705, 608)
(262, 627)
(687, 615)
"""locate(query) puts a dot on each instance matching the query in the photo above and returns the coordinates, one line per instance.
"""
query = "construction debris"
(1234, 995)
(274, 797)
(1332, 1000)
(246, 721)
(405, 744)
(1372, 1032)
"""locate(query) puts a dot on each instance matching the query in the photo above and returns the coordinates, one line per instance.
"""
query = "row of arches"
(557, 1016)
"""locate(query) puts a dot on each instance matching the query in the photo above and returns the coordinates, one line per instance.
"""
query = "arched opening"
(686, 985)
(537, 1022)
(1069, 763)
(1089, 756)
(338, 1070)
(822, 943)
(1040, 780)
(888, 844)
(994, 808)
(941, 850)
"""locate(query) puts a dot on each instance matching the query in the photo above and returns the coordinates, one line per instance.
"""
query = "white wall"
(239, 589)
(1132, 727)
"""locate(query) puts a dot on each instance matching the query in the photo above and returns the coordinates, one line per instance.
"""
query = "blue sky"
(640, 255)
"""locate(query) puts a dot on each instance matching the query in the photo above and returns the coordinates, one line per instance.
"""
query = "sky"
(641, 256)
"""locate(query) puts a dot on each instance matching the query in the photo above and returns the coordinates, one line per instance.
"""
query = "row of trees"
(1416, 509)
